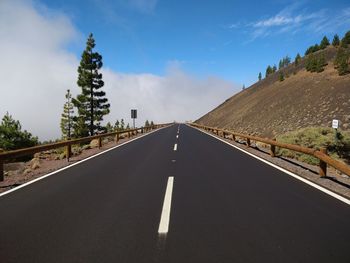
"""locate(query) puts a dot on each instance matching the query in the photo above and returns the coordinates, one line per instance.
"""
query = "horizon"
(158, 56)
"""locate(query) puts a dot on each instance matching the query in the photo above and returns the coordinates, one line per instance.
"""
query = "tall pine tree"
(66, 117)
(92, 103)
(324, 43)
(336, 40)
(297, 59)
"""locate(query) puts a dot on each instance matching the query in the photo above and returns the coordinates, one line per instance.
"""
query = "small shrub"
(338, 145)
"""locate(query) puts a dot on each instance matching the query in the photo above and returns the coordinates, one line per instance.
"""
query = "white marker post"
(335, 125)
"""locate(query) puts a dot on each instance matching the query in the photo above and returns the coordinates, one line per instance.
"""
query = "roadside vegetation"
(337, 143)
(315, 60)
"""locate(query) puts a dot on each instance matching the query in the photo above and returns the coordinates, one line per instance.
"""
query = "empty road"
(176, 195)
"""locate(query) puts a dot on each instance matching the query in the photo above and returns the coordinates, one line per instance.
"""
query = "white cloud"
(175, 96)
(293, 19)
(277, 20)
(36, 70)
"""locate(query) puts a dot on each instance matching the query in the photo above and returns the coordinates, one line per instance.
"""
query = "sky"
(170, 59)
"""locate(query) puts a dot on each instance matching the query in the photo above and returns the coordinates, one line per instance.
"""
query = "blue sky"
(231, 39)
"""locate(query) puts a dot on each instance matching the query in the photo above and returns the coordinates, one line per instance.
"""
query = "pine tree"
(315, 63)
(147, 123)
(243, 88)
(341, 62)
(274, 69)
(92, 103)
(80, 129)
(324, 43)
(109, 127)
(281, 76)
(67, 117)
(268, 71)
(117, 125)
(345, 40)
(297, 59)
(336, 40)
(12, 137)
(280, 64)
(122, 125)
(152, 124)
(259, 77)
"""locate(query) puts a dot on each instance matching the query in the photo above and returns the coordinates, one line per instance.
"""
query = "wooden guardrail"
(9, 155)
(321, 154)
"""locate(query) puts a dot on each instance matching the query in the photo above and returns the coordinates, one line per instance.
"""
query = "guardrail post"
(224, 135)
(233, 137)
(117, 138)
(323, 165)
(248, 142)
(141, 129)
(128, 134)
(273, 149)
(1, 170)
(68, 151)
(99, 142)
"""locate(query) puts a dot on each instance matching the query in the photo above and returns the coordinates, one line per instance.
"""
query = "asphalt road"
(225, 206)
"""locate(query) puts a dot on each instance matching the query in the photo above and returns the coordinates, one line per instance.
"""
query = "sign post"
(134, 116)
(335, 125)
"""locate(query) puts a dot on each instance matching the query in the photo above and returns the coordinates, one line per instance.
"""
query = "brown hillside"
(271, 107)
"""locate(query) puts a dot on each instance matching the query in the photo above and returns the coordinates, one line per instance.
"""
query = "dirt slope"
(271, 107)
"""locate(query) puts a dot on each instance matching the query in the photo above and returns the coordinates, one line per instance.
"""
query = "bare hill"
(271, 107)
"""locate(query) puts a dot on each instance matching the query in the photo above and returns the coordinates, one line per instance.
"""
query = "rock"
(347, 118)
(94, 143)
(27, 171)
(106, 140)
(62, 156)
(76, 150)
(35, 165)
(85, 147)
(34, 160)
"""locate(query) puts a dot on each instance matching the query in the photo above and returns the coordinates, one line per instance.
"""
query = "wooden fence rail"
(10, 155)
(321, 154)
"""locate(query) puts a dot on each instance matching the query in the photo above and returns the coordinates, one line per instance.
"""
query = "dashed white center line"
(177, 136)
(165, 217)
(175, 147)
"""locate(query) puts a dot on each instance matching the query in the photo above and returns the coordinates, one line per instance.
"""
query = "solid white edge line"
(175, 146)
(165, 217)
(335, 195)
(71, 165)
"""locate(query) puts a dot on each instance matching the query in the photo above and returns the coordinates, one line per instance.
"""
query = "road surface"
(176, 195)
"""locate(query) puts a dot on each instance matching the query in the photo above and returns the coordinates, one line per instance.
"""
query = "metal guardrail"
(68, 144)
(320, 154)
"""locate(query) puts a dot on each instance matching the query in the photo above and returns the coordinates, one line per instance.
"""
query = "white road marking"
(177, 136)
(165, 217)
(69, 166)
(335, 195)
(175, 147)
